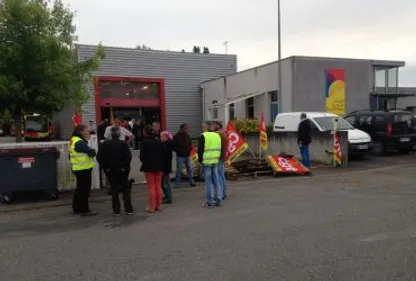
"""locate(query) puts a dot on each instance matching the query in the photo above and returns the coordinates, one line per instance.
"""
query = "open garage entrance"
(130, 98)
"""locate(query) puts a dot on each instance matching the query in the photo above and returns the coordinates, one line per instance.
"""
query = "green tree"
(38, 71)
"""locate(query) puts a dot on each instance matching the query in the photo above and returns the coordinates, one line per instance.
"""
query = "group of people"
(156, 153)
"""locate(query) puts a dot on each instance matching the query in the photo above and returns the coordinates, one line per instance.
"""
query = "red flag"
(77, 119)
(236, 145)
(337, 150)
(264, 144)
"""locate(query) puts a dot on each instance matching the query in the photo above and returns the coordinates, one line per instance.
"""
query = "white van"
(359, 141)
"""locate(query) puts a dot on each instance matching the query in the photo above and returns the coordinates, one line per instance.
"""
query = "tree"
(38, 73)
(143, 47)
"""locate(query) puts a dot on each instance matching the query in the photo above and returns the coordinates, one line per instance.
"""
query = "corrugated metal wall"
(183, 73)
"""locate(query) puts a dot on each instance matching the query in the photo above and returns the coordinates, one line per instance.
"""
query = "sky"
(368, 29)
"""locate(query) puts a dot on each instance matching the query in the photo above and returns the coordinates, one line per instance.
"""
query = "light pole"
(279, 63)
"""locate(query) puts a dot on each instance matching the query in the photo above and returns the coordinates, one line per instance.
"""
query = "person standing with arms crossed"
(114, 157)
(82, 162)
(304, 139)
(209, 154)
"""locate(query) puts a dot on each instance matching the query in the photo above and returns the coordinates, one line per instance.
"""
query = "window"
(392, 77)
(365, 120)
(215, 113)
(273, 96)
(350, 119)
(250, 108)
(327, 123)
(380, 80)
(129, 90)
(274, 106)
(231, 111)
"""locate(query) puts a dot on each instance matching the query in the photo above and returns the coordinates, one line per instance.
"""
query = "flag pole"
(334, 141)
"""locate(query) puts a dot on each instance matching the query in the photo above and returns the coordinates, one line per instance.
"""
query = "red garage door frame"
(162, 94)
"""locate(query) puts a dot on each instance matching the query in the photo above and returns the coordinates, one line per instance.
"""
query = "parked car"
(359, 141)
(390, 130)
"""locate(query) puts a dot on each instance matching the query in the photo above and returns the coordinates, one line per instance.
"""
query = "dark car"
(390, 130)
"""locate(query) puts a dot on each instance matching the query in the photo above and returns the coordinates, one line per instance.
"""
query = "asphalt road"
(356, 225)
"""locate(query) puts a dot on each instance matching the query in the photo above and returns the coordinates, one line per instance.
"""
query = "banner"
(194, 154)
(236, 144)
(287, 165)
(337, 150)
(76, 119)
(263, 133)
(335, 91)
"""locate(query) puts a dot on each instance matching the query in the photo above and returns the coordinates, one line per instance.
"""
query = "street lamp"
(279, 63)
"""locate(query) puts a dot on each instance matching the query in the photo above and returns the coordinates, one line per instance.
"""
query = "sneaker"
(165, 201)
(224, 197)
(116, 214)
(129, 213)
(192, 184)
(207, 205)
(148, 210)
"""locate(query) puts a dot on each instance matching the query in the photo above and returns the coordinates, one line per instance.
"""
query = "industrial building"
(155, 85)
(308, 84)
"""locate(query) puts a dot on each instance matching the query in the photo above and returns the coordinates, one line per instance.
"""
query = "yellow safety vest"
(212, 149)
(79, 161)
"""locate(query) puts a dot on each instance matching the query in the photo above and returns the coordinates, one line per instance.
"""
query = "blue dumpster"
(28, 169)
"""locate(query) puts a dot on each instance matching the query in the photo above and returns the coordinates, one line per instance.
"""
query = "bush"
(247, 126)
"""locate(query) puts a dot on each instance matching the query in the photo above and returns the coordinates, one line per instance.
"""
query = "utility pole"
(226, 46)
(279, 63)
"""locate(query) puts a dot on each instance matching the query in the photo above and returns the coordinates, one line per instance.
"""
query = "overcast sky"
(355, 28)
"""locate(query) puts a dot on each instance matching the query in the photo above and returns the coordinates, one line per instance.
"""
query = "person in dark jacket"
(166, 138)
(137, 130)
(82, 163)
(152, 158)
(182, 145)
(304, 139)
(114, 157)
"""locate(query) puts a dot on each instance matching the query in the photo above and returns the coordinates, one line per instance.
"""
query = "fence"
(66, 179)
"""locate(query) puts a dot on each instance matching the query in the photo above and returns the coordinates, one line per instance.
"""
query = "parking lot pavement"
(356, 225)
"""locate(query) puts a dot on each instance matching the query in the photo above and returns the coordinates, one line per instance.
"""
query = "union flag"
(337, 150)
(264, 144)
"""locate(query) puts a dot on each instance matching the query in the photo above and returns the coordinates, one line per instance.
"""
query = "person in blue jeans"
(221, 163)
(209, 155)
(166, 139)
(182, 145)
(304, 139)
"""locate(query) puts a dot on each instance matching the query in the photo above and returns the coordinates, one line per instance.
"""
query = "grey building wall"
(261, 79)
(407, 102)
(183, 73)
(309, 83)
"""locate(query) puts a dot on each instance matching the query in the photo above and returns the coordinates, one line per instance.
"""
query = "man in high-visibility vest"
(82, 163)
(209, 155)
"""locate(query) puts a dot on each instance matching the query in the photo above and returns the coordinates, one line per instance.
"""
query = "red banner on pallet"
(287, 165)
(236, 144)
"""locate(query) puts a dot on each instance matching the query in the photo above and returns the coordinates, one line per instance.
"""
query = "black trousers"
(82, 191)
(120, 184)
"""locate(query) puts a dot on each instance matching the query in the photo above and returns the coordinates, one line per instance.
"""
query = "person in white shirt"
(125, 135)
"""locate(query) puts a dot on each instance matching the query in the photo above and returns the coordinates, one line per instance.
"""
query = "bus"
(38, 127)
